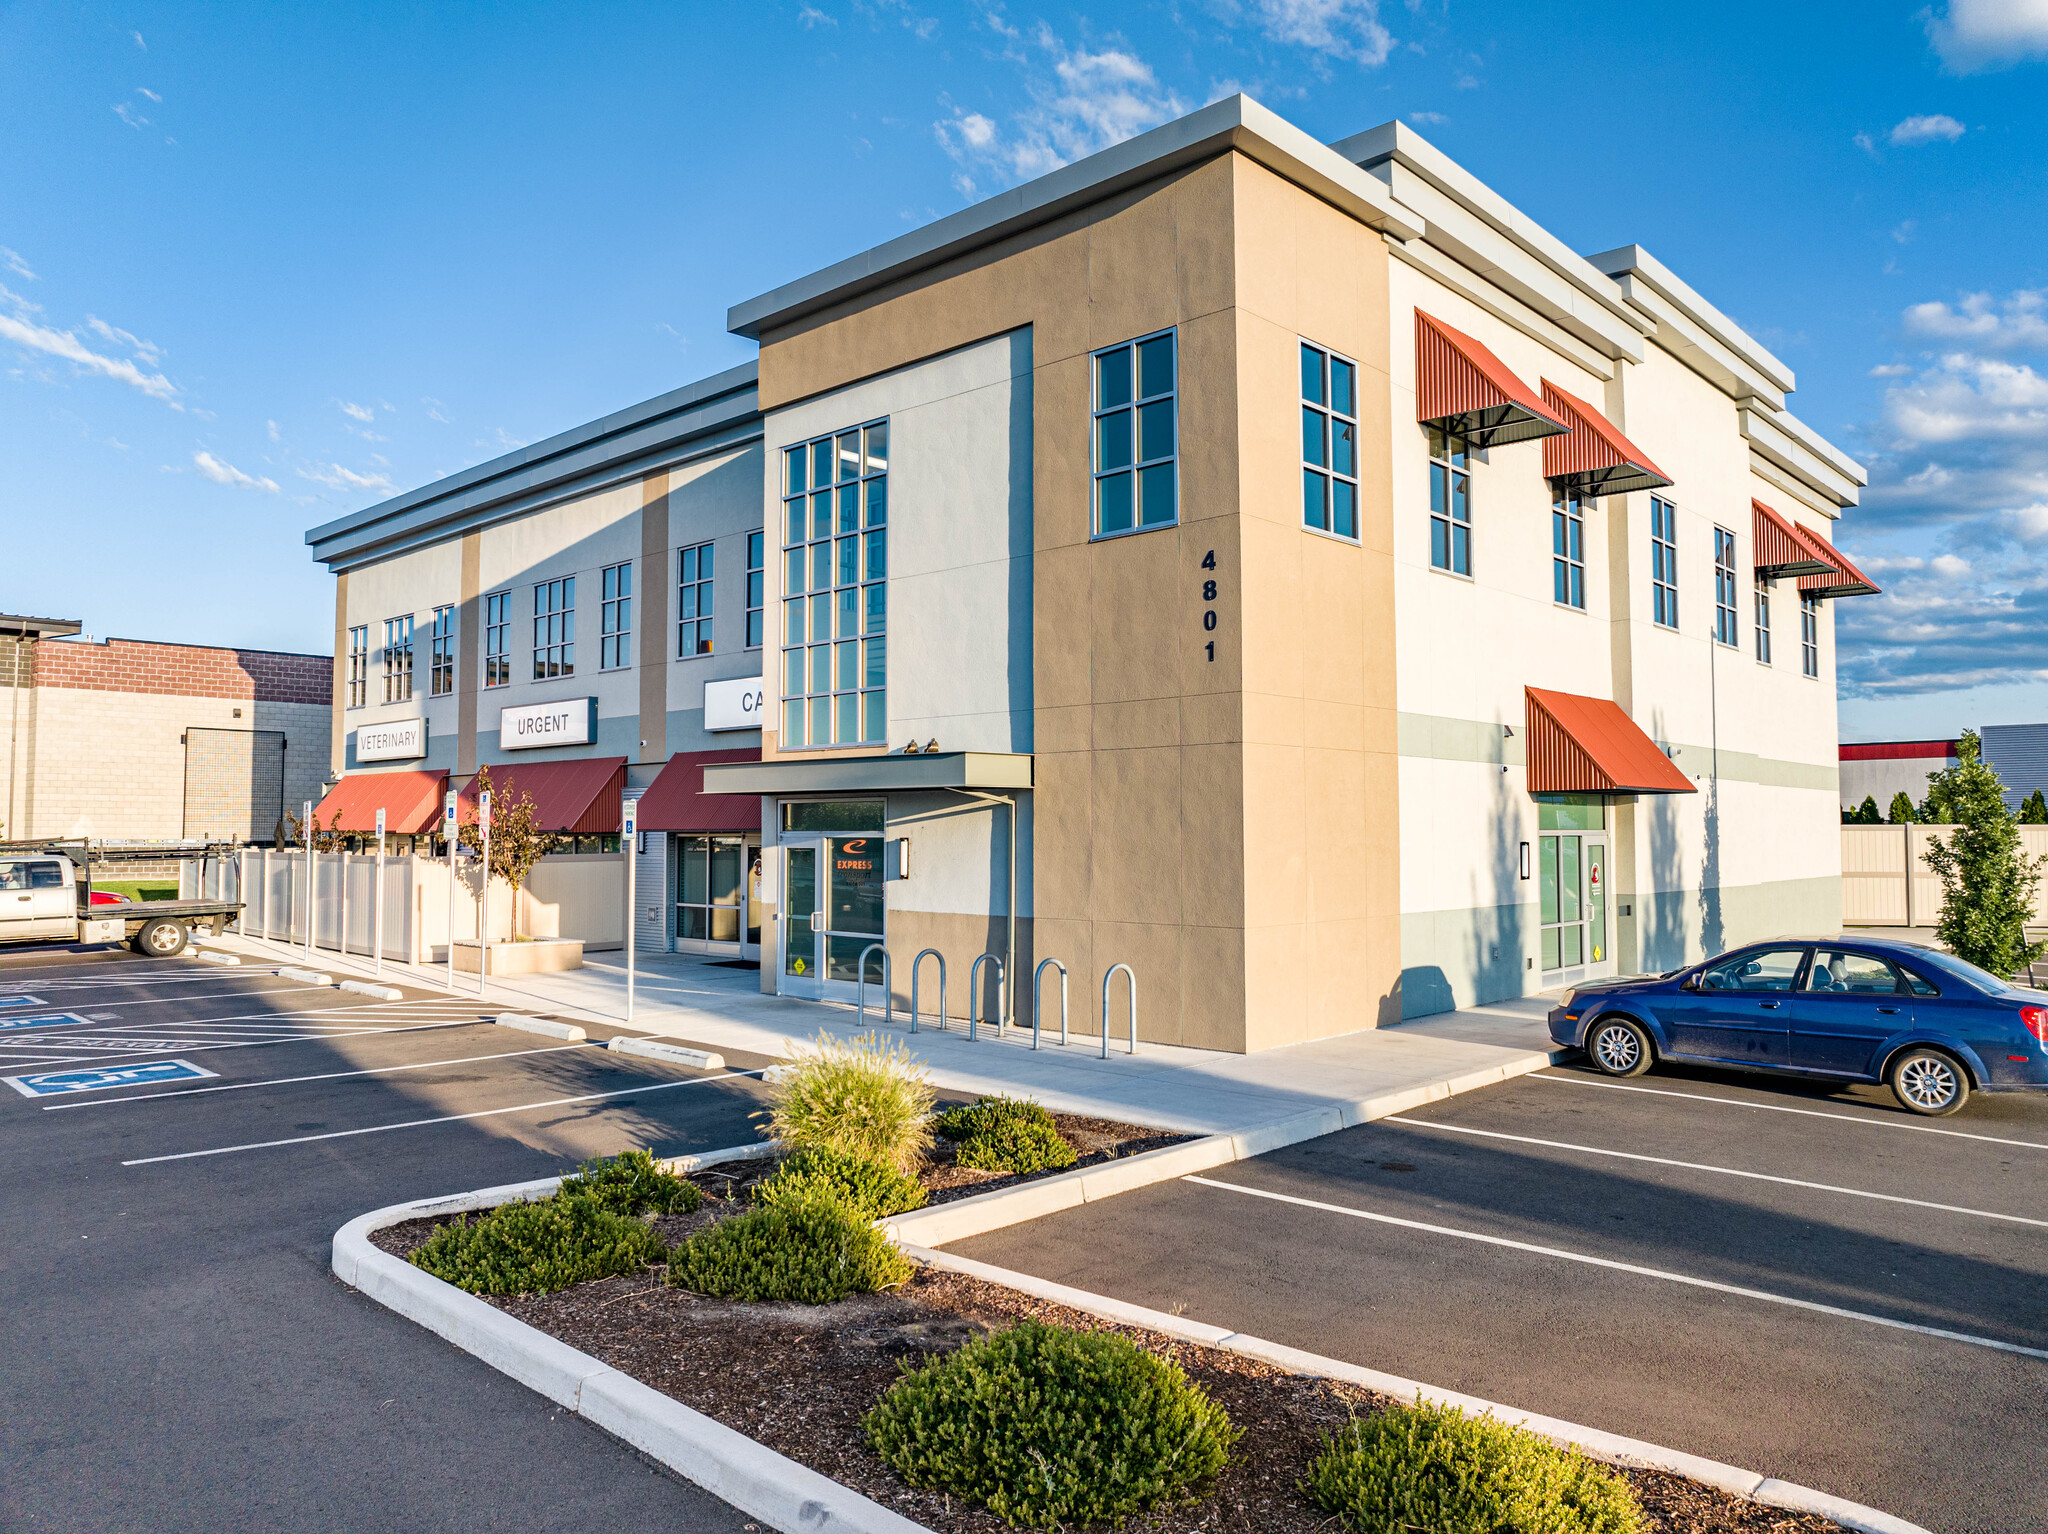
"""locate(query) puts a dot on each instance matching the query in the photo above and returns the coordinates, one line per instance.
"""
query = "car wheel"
(1618, 1047)
(1929, 1082)
(163, 938)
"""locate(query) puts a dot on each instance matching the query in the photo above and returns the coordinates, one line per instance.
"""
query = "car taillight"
(2036, 1021)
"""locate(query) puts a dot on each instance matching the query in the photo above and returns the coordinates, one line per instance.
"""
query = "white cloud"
(1989, 34)
(1949, 565)
(335, 477)
(1347, 28)
(810, 16)
(14, 263)
(1967, 398)
(1891, 370)
(148, 351)
(143, 90)
(434, 409)
(275, 434)
(1428, 119)
(1904, 233)
(2020, 320)
(131, 117)
(1938, 128)
(1867, 144)
(227, 474)
(23, 330)
(357, 412)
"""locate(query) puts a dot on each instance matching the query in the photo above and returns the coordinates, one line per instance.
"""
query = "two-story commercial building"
(1278, 566)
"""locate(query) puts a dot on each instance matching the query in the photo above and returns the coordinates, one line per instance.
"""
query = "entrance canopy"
(1589, 746)
(1463, 389)
(411, 802)
(1594, 458)
(575, 797)
(996, 771)
(676, 800)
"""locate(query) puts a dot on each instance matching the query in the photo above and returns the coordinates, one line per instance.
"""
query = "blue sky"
(262, 265)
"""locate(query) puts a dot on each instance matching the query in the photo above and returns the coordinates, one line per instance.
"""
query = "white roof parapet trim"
(1795, 448)
(1628, 262)
(1236, 122)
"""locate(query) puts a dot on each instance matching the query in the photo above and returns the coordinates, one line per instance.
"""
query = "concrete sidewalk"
(1194, 1091)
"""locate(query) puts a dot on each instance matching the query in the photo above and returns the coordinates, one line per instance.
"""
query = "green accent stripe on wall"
(1436, 738)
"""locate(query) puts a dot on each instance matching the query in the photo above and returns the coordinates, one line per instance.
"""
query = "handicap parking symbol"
(19, 1000)
(94, 1079)
(46, 1020)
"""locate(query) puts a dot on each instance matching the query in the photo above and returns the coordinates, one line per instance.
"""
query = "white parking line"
(1812, 1113)
(1723, 1171)
(286, 1081)
(452, 1118)
(1624, 1267)
(172, 1041)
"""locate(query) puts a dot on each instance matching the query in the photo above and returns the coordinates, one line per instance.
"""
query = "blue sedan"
(1864, 1009)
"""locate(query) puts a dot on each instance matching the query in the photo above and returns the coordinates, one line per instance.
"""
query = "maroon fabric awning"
(411, 802)
(1462, 388)
(676, 801)
(1594, 458)
(580, 797)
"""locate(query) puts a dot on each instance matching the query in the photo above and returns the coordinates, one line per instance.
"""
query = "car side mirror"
(1689, 983)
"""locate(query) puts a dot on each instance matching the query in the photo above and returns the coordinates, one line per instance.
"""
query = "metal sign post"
(448, 832)
(483, 953)
(306, 830)
(629, 841)
(377, 909)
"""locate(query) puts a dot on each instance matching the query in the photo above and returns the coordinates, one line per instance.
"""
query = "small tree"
(1902, 812)
(1987, 883)
(323, 838)
(2034, 810)
(517, 842)
(1866, 812)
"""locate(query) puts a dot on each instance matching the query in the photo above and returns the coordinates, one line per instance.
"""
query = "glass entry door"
(1572, 892)
(832, 911)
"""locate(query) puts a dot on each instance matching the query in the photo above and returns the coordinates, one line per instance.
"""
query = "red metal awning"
(580, 797)
(1462, 388)
(1779, 550)
(1589, 746)
(1841, 578)
(676, 801)
(1594, 458)
(411, 802)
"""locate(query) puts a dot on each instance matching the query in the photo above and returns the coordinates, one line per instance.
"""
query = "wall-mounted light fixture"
(1522, 862)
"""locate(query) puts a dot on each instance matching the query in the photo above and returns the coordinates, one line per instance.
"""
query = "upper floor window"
(1568, 550)
(694, 602)
(1329, 442)
(554, 628)
(1450, 503)
(615, 618)
(498, 639)
(1809, 635)
(835, 537)
(398, 659)
(1724, 586)
(1137, 436)
(359, 665)
(441, 658)
(1763, 622)
(1663, 562)
(757, 587)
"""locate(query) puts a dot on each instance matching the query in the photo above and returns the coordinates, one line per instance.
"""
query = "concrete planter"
(539, 957)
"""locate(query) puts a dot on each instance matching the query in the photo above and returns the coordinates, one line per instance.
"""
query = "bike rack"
(860, 988)
(1107, 977)
(1036, 976)
(974, 992)
(915, 965)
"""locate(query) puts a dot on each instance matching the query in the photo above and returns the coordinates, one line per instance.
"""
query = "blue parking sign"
(94, 1079)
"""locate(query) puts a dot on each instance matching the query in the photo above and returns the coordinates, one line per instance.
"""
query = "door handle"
(1888, 1011)
(1768, 1006)
(817, 921)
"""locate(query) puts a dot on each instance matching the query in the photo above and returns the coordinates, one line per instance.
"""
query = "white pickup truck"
(44, 898)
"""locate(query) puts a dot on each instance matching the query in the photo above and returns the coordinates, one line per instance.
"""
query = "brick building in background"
(132, 740)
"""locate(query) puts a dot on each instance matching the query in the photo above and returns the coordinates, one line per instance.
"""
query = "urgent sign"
(59, 1083)
(570, 723)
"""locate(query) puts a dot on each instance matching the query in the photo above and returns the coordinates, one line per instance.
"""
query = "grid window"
(359, 665)
(1329, 442)
(615, 618)
(1450, 503)
(441, 658)
(757, 587)
(1568, 550)
(398, 659)
(694, 601)
(554, 629)
(1663, 562)
(1763, 622)
(1137, 436)
(1809, 635)
(1724, 587)
(835, 538)
(498, 639)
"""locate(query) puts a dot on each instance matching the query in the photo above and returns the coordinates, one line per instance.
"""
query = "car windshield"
(1949, 965)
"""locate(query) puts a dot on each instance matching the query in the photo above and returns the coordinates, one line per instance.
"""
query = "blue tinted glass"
(1312, 375)
(821, 721)
(1344, 447)
(878, 502)
(795, 521)
(1113, 378)
(821, 567)
(821, 463)
(821, 515)
(821, 615)
(1156, 503)
(794, 581)
(1344, 508)
(878, 555)
(1460, 511)
(1314, 427)
(1439, 543)
(849, 612)
(1155, 367)
(1315, 510)
(1155, 431)
(874, 670)
(1439, 489)
(821, 668)
(1461, 549)
(876, 725)
(849, 561)
(792, 471)
(849, 718)
(1559, 590)
(1113, 441)
(1343, 392)
(793, 723)
(849, 508)
(793, 622)
(877, 607)
(1113, 503)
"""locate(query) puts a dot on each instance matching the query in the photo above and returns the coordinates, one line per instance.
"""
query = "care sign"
(735, 704)
(60, 1083)
(570, 723)
(395, 740)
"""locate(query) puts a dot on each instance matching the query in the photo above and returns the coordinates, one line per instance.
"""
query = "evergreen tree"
(1902, 812)
(1866, 812)
(1987, 883)
(2034, 811)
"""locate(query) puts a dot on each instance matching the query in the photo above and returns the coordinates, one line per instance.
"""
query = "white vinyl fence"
(1886, 881)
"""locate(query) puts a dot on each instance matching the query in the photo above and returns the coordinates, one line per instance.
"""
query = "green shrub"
(1052, 1428)
(867, 1097)
(633, 1184)
(1006, 1134)
(815, 1251)
(537, 1248)
(868, 1188)
(1432, 1467)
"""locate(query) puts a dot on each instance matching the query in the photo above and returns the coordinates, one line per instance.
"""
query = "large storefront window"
(835, 907)
(1572, 880)
(835, 540)
(711, 889)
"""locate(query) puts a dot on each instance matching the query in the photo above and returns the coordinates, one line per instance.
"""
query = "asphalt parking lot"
(180, 1356)
(1814, 1285)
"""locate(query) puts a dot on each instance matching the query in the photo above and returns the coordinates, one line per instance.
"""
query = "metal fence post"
(915, 964)
(1038, 975)
(1107, 977)
(974, 996)
(860, 988)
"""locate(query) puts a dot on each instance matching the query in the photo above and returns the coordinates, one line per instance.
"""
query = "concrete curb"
(304, 976)
(1596, 1444)
(366, 988)
(755, 1479)
(212, 956)
(655, 1049)
(540, 1025)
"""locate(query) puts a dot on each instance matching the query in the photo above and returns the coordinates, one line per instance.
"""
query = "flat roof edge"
(1687, 300)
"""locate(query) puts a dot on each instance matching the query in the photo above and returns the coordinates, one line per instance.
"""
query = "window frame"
(358, 677)
(1330, 476)
(834, 581)
(398, 673)
(1760, 619)
(1138, 464)
(694, 634)
(441, 652)
(1809, 637)
(561, 641)
(757, 591)
(1452, 468)
(497, 647)
(1663, 563)
(615, 617)
(1727, 621)
(1568, 525)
